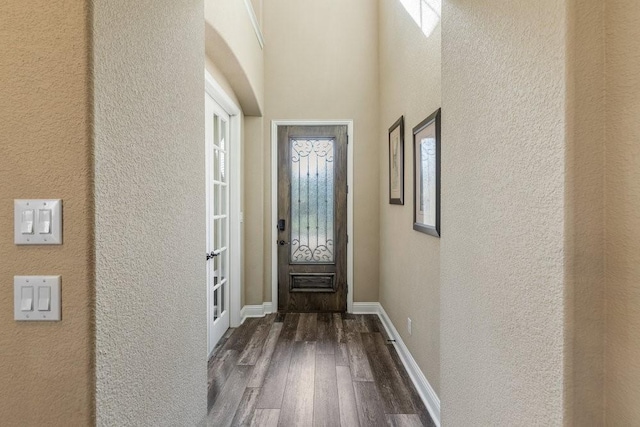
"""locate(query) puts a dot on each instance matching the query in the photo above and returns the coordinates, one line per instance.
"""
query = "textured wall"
(623, 213)
(409, 260)
(321, 62)
(45, 152)
(503, 167)
(150, 212)
(584, 214)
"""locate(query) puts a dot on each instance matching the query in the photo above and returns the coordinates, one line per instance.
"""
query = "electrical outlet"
(409, 325)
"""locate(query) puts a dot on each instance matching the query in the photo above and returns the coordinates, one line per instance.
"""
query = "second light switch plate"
(37, 298)
(37, 222)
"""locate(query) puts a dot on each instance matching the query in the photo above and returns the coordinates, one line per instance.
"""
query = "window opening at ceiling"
(425, 13)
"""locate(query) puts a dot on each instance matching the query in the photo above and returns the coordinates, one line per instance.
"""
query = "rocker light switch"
(44, 298)
(37, 222)
(44, 221)
(26, 298)
(26, 225)
(37, 298)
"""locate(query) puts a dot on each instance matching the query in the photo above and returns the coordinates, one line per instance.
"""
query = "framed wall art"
(426, 175)
(396, 162)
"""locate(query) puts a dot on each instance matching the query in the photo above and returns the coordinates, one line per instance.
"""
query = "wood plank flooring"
(311, 369)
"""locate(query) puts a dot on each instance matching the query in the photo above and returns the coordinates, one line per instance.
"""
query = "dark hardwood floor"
(311, 369)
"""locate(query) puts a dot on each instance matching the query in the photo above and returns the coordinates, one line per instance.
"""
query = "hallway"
(163, 131)
(303, 369)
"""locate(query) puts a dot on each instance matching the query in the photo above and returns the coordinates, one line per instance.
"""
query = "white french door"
(217, 158)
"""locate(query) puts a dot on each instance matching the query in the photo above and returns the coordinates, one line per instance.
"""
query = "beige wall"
(255, 236)
(503, 171)
(150, 212)
(321, 62)
(409, 260)
(623, 213)
(46, 373)
(232, 44)
(584, 214)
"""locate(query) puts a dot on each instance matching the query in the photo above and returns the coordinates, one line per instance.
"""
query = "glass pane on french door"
(217, 147)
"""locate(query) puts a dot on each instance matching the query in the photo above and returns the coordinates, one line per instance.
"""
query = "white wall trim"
(254, 22)
(258, 310)
(274, 201)
(213, 88)
(426, 392)
(366, 308)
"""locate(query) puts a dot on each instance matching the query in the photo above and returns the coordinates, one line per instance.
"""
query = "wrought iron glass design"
(312, 201)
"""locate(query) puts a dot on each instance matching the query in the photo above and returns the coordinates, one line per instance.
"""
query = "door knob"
(282, 243)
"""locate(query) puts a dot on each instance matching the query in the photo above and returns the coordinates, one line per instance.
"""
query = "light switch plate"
(35, 283)
(41, 209)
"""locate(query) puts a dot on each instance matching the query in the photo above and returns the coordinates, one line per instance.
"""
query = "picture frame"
(426, 175)
(396, 162)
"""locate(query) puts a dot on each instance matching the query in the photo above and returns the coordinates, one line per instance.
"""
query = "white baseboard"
(426, 392)
(366, 308)
(255, 311)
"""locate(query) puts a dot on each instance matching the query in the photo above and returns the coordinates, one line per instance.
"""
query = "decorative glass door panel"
(217, 256)
(312, 201)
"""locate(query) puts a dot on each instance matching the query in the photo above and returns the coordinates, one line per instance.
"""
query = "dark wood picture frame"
(428, 127)
(396, 159)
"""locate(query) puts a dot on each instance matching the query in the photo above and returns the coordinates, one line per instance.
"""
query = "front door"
(312, 218)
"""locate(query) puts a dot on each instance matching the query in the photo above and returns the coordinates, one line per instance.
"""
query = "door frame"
(215, 90)
(274, 202)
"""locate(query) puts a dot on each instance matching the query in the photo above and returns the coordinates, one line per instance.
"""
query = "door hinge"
(347, 238)
(347, 189)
